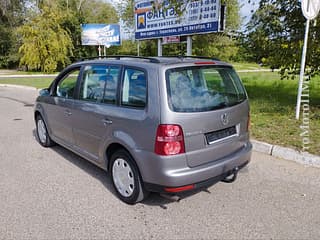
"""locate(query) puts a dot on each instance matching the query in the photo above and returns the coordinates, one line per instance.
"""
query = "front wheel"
(42, 133)
(126, 178)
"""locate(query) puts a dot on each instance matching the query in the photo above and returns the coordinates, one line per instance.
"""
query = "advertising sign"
(101, 34)
(154, 21)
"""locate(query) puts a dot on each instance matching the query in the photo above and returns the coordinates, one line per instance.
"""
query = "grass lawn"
(16, 72)
(248, 66)
(31, 82)
(273, 103)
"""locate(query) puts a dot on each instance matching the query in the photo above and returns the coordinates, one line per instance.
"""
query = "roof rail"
(195, 57)
(118, 57)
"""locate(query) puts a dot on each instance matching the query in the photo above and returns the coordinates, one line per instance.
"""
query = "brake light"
(169, 140)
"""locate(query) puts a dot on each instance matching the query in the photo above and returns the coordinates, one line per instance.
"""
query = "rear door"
(94, 107)
(210, 104)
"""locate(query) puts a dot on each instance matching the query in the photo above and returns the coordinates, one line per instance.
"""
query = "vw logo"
(224, 119)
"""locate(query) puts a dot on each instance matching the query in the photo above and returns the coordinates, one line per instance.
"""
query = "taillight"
(169, 140)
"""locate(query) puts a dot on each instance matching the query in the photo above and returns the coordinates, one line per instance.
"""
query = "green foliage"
(233, 16)
(128, 47)
(275, 37)
(10, 12)
(5, 44)
(217, 45)
(99, 12)
(49, 32)
(51, 38)
(126, 12)
(272, 104)
(45, 43)
(11, 16)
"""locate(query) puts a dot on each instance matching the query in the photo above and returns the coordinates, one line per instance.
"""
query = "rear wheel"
(126, 178)
(42, 133)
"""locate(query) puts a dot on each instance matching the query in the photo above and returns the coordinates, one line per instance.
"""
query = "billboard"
(101, 34)
(200, 16)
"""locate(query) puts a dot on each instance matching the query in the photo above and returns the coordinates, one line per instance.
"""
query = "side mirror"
(44, 92)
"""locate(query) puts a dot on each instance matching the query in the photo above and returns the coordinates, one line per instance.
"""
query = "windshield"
(203, 88)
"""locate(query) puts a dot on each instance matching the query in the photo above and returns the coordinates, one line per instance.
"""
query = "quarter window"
(67, 85)
(134, 93)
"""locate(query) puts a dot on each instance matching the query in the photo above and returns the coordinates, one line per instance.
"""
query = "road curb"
(18, 86)
(287, 153)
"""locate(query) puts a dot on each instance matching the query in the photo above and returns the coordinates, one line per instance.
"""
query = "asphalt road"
(53, 194)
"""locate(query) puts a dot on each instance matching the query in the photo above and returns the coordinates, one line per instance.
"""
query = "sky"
(246, 10)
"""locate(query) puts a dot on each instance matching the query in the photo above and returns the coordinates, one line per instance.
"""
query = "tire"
(42, 133)
(126, 178)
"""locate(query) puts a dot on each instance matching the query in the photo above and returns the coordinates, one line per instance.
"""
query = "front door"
(59, 112)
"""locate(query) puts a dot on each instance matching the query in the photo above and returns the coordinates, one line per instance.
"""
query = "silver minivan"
(160, 124)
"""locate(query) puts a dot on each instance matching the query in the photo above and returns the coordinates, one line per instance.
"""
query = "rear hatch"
(209, 102)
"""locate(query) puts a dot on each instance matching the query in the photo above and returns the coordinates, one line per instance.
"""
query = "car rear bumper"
(207, 183)
(173, 172)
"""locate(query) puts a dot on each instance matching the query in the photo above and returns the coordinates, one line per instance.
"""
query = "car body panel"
(90, 128)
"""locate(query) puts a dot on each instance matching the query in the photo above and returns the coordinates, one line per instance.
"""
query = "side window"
(67, 85)
(99, 83)
(134, 90)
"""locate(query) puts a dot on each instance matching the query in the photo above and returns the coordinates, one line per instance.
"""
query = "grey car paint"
(91, 129)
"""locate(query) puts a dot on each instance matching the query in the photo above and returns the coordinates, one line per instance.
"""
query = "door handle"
(106, 122)
(67, 112)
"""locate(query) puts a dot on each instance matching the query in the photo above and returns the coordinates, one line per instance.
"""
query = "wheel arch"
(112, 148)
(36, 114)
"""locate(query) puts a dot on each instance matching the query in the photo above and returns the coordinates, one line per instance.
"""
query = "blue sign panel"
(101, 34)
(153, 21)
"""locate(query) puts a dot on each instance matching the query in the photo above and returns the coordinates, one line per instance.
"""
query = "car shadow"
(154, 199)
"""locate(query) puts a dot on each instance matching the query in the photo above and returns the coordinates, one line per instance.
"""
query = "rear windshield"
(203, 88)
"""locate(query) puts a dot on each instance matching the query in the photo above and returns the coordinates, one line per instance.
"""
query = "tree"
(45, 43)
(51, 38)
(11, 16)
(96, 11)
(126, 13)
(276, 35)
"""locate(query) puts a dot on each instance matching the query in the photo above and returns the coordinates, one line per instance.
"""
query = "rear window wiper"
(237, 102)
(221, 105)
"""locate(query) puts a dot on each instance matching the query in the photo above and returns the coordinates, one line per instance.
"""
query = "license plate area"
(223, 134)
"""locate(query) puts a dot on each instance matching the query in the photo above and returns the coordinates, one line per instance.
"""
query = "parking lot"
(50, 193)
